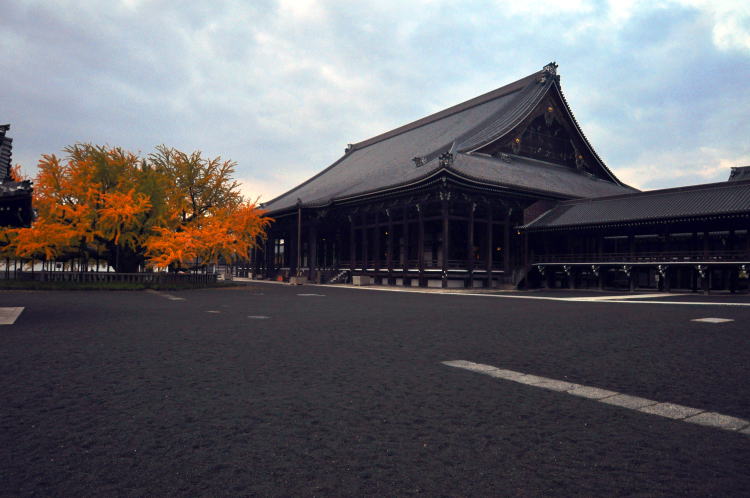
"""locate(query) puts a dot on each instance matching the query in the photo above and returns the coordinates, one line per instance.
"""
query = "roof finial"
(550, 68)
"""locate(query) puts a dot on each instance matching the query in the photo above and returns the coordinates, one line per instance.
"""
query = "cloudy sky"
(661, 89)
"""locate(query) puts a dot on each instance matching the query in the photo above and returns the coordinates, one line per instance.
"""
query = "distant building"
(15, 197)
(502, 190)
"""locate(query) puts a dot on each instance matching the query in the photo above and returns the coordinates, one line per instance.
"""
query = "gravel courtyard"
(270, 389)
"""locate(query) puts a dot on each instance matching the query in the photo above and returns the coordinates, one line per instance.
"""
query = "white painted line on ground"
(643, 405)
(686, 303)
(626, 296)
(311, 295)
(259, 317)
(712, 320)
(627, 401)
(165, 295)
(213, 311)
(610, 299)
(8, 316)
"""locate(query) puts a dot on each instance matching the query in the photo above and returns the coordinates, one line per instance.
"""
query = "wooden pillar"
(446, 243)
(352, 245)
(631, 247)
(376, 243)
(525, 236)
(312, 257)
(256, 257)
(420, 246)
(389, 256)
(268, 256)
(405, 247)
(634, 270)
(571, 277)
(707, 281)
(470, 247)
(693, 279)
(298, 248)
(365, 255)
(706, 247)
(336, 256)
(506, 241)
(488, 263)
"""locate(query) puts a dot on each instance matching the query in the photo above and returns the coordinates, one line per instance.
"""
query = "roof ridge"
(486, 97)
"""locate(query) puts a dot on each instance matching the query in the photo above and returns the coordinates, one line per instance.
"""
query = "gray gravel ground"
(132, 394)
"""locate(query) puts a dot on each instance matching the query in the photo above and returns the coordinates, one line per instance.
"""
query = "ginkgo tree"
(168, 209)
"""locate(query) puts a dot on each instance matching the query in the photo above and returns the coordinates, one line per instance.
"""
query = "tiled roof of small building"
(6, 146)
(713, 199)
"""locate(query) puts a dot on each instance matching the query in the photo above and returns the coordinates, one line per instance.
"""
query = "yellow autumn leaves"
(166, 209)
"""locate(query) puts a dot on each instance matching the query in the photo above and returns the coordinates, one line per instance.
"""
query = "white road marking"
(8, 316)
(310, 295)
(687, 303)
(643, 405)
(626, 296)
(610, 299)
(259, 317)
(712, 320)
(165, 295)
(213, 311)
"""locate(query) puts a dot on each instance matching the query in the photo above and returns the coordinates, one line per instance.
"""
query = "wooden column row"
(363, 261)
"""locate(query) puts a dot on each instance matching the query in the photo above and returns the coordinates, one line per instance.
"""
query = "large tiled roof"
(385, 161)
(714, 199)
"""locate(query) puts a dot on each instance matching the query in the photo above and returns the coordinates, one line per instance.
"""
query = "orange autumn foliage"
(169, 208)
(227, 234)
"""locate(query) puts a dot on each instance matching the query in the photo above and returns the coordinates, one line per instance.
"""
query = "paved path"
(279, 390)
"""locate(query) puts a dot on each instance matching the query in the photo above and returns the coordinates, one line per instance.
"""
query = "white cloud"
(730, 19)
(283, 86)
(699, 165)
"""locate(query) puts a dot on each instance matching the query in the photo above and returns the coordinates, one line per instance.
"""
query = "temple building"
(501, 190)
(687, 238)
(15, 197)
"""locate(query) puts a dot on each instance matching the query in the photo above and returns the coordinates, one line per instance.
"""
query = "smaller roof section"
(713, 199)
(739, 173)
